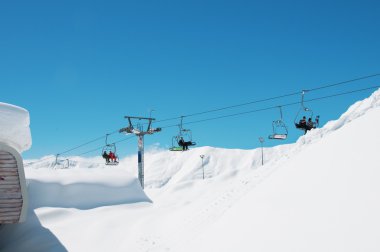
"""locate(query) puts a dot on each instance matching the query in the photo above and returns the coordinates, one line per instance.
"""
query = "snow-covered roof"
(14, 127)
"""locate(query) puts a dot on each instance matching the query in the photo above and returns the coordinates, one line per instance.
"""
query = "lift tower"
(140, 133)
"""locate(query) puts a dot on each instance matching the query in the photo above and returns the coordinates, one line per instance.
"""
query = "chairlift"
(183, 140)
(309, 114)
(106, 150)
(280, 131)
(175, 145)
(61, 163)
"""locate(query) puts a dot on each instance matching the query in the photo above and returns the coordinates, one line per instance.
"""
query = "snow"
(14, 123)
(324, 202)
(318, 194)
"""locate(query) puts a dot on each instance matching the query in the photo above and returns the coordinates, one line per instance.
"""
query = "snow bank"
(83, 189)
(86, 183)
(14, 127)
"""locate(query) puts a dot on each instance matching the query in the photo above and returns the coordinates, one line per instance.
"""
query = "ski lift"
(297, 120)
(61, 163)
(183, 140)
(106, 150)
(280, 131)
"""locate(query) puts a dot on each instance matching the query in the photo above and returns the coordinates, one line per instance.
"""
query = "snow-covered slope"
(325, 198)
(318, 194)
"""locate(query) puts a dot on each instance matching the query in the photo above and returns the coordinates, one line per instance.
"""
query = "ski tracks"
(192, 226)
(188, 228)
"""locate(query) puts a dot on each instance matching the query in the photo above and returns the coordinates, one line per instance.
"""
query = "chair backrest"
(13, 191)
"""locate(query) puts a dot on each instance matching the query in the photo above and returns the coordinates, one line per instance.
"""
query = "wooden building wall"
(12, 187)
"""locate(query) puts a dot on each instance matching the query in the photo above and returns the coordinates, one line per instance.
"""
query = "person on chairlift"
(185, 145)
(302, 122)
(112, 156)
(106, 157)
(310, 124)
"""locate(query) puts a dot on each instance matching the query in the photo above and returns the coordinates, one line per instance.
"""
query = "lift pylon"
(140, 133)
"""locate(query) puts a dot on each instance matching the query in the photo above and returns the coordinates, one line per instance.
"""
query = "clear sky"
(80, 66)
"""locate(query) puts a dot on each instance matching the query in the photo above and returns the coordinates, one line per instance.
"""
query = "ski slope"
(325, 198)
(318, 194)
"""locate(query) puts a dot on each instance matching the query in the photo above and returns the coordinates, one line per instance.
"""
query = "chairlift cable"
(271, 98)
(84, 144)
(273, 107)
(344, 82)
(243, 104)
(99, 148)
(234, 106)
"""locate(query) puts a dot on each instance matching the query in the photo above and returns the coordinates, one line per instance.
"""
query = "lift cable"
(99, 148)
(81, 154)
(229, 107)
(273, 107)
(91, 141)
(271, 98)
(239, 114)
(344, 82)
(234, 106)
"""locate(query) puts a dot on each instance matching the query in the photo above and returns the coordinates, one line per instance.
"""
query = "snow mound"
(85, 195)
(83, 184)
(14, 127)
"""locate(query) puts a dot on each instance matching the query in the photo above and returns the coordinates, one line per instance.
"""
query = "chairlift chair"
(175, 145)
(110, 148)
(309, 113)
(187, 138)
(61, 163)
(280, 131)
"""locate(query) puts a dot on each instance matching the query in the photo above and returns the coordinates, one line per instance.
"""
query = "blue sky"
(80, 66)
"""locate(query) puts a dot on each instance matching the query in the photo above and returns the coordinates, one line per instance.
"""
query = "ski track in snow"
(189, 227)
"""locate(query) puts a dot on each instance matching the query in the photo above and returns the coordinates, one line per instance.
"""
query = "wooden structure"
(13, 193)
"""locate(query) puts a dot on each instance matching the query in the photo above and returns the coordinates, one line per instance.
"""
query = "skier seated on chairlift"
(106, 157)
(310, 123)
(184, 144)
(307, 125)
(302, 123)
(112, 156)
